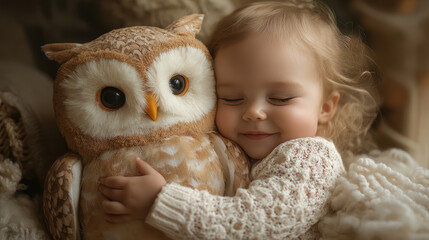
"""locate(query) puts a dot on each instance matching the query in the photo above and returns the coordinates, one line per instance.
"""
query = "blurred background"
(396, 30)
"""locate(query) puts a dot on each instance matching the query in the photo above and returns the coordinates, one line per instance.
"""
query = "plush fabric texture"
(18, 213)
(288, 195)
(385, 195)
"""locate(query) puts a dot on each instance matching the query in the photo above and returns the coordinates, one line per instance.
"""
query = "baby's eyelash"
(281, 99)
(231, 99)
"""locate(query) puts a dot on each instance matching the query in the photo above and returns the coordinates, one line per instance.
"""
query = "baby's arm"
(289, 193)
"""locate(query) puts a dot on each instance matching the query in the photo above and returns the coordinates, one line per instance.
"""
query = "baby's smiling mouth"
(256, 135)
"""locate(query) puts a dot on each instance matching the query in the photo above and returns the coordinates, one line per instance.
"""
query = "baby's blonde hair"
(343, 60)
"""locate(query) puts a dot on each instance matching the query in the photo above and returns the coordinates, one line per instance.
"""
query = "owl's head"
(134, 85)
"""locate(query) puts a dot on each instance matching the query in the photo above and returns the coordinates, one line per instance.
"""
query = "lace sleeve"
(288, 195)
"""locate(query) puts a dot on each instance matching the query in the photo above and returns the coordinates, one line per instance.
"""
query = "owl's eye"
(112, 98)
(179, 84)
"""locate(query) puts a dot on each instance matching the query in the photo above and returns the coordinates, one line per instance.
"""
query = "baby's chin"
(257, 154)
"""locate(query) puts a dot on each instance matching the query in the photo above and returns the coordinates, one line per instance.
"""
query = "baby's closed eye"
(231, 101)
(280, 100)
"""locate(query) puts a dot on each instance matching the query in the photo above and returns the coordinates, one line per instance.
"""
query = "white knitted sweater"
(289, 193)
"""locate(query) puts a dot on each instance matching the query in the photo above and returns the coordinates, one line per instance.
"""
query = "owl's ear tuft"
(60, 52)
(187, 25)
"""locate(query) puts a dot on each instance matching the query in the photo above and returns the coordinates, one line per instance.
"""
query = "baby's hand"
(130, 198)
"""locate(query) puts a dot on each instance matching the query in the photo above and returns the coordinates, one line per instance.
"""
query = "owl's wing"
(235, 164)
(61, 197)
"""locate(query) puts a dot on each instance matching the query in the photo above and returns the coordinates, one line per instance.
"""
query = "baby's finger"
(114, 181)
(113, 207)
(117, 218)
(144, 167)
(110, 193)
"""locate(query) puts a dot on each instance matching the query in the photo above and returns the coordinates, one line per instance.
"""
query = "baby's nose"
(254, 113)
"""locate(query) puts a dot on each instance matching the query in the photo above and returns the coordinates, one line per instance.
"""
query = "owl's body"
(189, 161)
(138, 91)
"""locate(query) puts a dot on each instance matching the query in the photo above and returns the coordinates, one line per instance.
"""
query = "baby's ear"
(329, 107)
(187, 25)
(61, 52)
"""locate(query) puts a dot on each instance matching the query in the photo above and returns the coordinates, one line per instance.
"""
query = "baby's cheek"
(297, 124)
(226, 121)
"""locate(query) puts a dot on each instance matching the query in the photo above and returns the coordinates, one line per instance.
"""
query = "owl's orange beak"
(151, 108)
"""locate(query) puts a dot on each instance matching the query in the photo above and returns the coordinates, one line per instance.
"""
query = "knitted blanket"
(384, 195)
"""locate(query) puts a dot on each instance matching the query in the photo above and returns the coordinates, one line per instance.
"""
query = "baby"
(294, 93)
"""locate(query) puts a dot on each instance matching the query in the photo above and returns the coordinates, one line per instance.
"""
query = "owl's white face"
(106, 98)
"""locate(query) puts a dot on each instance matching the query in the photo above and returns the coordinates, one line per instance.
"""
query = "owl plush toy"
(137, 91)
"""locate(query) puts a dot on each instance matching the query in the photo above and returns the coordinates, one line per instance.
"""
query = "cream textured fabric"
(385, 195)
(19, 217)
(290, 191)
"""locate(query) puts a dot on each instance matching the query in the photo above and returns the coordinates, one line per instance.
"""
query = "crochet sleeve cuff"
(168, 211)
